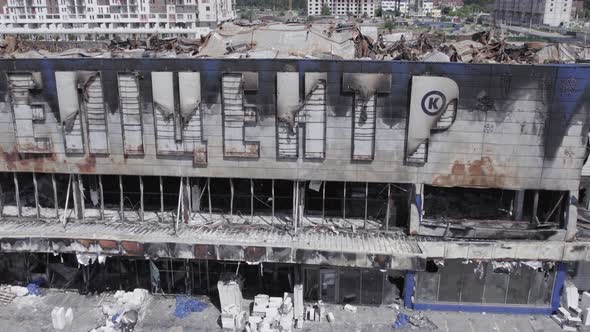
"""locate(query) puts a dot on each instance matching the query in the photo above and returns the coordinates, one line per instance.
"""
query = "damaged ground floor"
(502, 286)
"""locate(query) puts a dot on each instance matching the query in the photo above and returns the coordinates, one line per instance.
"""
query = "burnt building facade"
(452, 186)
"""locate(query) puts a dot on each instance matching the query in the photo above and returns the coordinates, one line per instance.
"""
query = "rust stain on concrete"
(475, 173)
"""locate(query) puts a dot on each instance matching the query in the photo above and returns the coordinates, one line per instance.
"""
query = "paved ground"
(34, 314)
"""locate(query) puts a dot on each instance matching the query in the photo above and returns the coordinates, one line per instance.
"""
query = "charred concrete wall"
(516, 127)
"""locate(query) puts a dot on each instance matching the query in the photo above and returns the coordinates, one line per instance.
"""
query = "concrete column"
(518, 204)
(571, 217)
(586, 185)
(417, 203)
(77, 194)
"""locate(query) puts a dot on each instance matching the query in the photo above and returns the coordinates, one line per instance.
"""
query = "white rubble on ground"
(18, 290)
(62, 318)
(125, 305)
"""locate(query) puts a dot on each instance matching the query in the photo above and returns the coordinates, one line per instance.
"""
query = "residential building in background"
(448, 3)
(420, 7)
(392, 5)
(83, 19)
(343, 7)
(533, 12)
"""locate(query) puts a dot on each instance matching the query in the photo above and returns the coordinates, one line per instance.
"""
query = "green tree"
(388, 25)
(247, 15)
(446, 10)
(281, 13)
(326, 10)
(379, 12)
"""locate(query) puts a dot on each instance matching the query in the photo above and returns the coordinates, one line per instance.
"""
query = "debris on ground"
(19, 290)
(124, 309)
(420, 321)
(350, 308)
(567, 320)
(570, 316)
(34, 288)
(186, 305)
(402, 320)
(6, 296)
(62, 318)
(272, 313)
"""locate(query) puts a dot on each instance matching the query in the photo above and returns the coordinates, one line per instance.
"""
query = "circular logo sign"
(433, 102)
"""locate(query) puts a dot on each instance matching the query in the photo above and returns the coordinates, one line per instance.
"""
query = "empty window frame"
(467, 203)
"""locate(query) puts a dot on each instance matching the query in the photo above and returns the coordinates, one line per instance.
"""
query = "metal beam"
(141, 210)
(100, 188)
(19, 211)
(273, 201)
(121, 203)
(36, 188)
(231, 198)
(161, 199)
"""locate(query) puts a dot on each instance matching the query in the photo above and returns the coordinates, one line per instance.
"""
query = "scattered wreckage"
(320, 41)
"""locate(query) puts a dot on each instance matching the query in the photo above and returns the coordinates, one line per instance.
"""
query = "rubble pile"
(347, 40)
(124, 310)
(155, 44)
(482, 47)
(573, 315)
(272, 313)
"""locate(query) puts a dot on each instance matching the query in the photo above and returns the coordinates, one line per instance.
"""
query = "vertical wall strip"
(561, 271)
(36, 188)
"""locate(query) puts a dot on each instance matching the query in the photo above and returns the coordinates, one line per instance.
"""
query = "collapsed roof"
(317, 41)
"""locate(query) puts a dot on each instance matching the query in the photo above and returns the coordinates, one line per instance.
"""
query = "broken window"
(284, 199)
(242, 196)
(485, 282)
(131, 196)
(171, 188)
(220, 195)
(334, 199)
(467, 203)
(152, 197)
(91, 193)
(263, 190)
(355, 200)
(8, 194)
(350, 286)
(27, 194)
(111, 192)
(545, 208)
(172, 275)
(314, 198)
(371, 286)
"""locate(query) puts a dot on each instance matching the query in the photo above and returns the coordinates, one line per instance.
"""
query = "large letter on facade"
(80, 93)
(237, 114)
(130, 108)
(177, 112)
(365, 87)
(292, 112)
(433, 106)
(29, 116)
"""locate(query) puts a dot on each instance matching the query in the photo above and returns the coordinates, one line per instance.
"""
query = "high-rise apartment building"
(534, 12)
(107, 17)
(344, 7)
